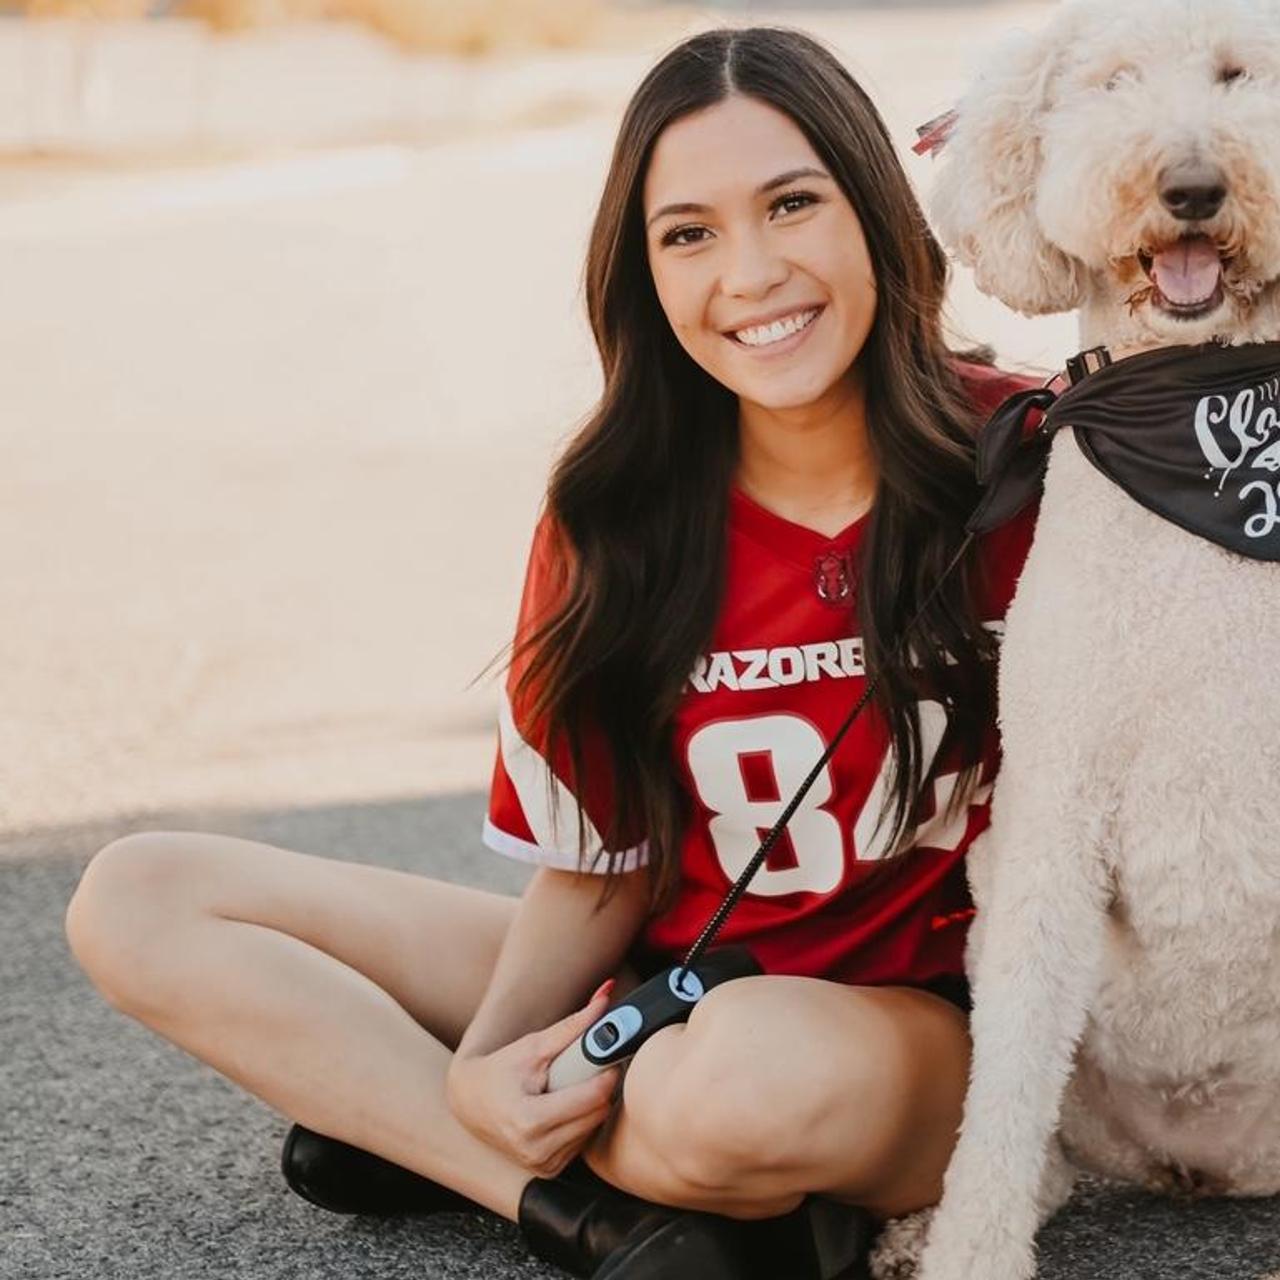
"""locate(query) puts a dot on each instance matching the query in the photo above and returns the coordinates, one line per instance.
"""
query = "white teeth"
(775, 332)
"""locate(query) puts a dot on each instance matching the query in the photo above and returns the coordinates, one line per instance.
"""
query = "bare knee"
(726, 1104)
(116, 922)
(754, 1092)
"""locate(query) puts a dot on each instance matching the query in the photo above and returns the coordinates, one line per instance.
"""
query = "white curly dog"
(1124, 161)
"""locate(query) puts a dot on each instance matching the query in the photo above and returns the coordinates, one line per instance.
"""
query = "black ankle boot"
(820, 1240)
(347, 1179)
(841, 1236)
(599, 1232)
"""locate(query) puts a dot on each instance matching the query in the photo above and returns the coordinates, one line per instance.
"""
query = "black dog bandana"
(1192, 433)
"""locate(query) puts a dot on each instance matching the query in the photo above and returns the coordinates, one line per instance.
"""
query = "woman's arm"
(558, 948)
(558, 945)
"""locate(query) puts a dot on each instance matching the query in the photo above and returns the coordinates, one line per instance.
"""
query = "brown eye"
(1231, 74)
(678, 236)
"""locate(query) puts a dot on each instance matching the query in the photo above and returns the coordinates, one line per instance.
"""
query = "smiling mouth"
(765, 336)
(1187, 277)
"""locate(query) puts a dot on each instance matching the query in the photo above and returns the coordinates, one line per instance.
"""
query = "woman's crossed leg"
(335, 992)
(781, 1086)
(331, 990)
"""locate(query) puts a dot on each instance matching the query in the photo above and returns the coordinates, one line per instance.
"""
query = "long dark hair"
(641, 494)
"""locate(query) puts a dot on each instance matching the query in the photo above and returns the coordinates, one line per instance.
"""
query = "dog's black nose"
(1193, 191)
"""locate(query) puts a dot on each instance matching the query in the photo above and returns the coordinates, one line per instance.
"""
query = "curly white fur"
(1049, 185)
(1126, 954)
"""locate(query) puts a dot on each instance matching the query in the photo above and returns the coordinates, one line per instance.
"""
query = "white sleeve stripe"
(513, 847)
(550, 810)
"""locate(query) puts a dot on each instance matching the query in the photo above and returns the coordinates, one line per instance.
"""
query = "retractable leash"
(669, 996)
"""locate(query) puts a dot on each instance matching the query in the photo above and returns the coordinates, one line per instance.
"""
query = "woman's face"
(758, 258)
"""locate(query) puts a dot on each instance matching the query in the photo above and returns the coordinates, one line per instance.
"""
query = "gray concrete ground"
(121, 1158)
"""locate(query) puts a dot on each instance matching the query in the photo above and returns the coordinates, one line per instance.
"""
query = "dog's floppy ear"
(984, 200)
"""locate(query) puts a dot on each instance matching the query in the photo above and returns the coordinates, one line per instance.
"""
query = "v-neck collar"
(795, 542)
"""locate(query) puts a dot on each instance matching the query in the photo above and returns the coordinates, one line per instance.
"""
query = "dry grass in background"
(427, 26)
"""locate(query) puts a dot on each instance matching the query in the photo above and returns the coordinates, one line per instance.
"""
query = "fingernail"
(603, 989)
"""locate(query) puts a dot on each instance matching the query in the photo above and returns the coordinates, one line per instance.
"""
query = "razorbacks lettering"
(749, 669)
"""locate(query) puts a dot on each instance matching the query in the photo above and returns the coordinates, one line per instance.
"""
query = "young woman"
(774, 481)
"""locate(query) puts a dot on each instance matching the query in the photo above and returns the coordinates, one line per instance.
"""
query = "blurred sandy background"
(292, 328)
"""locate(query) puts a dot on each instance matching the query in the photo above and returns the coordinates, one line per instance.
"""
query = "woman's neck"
(813, 465)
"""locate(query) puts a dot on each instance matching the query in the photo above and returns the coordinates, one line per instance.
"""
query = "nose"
(753, 268)
(1193, 190)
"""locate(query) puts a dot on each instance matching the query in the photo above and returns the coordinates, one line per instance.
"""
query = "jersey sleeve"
(989, 387)
(533, 805)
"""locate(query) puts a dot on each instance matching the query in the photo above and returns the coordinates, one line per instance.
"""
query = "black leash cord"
(713, 926)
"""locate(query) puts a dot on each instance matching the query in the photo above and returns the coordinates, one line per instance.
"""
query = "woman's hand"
(500, 1096)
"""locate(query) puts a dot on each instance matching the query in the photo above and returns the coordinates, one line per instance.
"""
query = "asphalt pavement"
(122, 1158)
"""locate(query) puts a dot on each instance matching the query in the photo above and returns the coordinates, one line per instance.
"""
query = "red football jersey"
(779, 676)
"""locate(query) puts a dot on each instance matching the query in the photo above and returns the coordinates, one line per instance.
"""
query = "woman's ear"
(984, 200)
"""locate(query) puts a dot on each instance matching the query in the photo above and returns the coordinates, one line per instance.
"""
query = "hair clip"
(933, 135)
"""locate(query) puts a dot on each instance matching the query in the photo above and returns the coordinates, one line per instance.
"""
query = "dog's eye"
(1120, 77)
(1231, 74)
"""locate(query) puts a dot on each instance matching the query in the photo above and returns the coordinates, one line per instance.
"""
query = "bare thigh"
(429, 944)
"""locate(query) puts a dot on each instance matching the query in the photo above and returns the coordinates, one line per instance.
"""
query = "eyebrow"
(782, 180)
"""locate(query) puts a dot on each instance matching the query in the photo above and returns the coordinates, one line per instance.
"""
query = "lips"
(797, 318)
(1187, 276)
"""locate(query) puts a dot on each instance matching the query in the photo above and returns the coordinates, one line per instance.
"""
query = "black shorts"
(951, 987)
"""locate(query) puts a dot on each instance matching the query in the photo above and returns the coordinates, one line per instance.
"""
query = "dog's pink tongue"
(1189, 272)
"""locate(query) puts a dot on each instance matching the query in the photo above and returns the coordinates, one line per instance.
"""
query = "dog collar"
(1190, 433)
